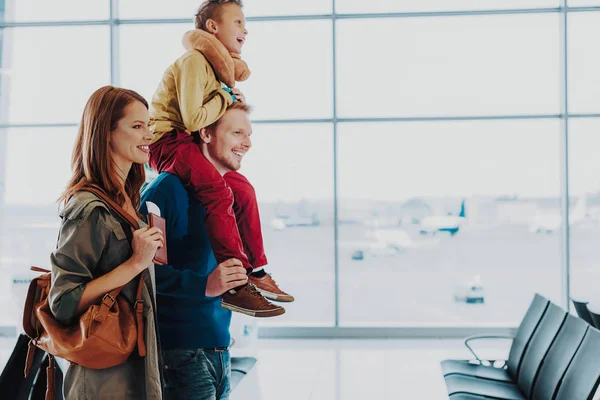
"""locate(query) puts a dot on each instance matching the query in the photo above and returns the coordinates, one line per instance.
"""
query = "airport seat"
(509, 373)
(559, 358)
(583, 375)
(240, 366)
(466, 396)
(581, 307)
(595, 315)
(534, 354)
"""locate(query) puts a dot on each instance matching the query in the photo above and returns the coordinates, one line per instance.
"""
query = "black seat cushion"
(463, 396)
(460, 384)
(464, 367)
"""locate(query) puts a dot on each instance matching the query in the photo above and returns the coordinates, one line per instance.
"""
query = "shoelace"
(254, 292)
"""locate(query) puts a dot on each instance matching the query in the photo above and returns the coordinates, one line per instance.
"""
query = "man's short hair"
(237, 105)
(210, 9)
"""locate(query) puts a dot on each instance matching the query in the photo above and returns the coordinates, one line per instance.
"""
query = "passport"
(155, 220)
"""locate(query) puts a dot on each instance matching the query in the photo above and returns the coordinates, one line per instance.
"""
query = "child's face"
(231, 28)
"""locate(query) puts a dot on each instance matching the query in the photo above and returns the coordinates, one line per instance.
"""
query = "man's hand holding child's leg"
(228, 275)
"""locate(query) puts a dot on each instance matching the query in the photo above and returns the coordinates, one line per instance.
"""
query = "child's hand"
(239, 96)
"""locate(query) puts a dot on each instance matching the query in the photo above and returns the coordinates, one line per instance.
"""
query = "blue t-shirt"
(186, 317)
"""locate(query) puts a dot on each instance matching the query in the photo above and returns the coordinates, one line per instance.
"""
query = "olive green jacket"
(92, 242)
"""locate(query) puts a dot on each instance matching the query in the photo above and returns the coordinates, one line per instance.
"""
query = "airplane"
(443, 223)
(381, 243)
(549, 223)
(385, 243)
(282, 222)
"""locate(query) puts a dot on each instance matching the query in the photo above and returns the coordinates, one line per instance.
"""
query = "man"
(193, 327)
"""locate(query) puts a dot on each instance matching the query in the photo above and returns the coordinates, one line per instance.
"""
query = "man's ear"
(211, 26)
(204, 135)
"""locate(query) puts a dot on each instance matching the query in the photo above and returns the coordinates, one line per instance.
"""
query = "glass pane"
(584, 62)
(584, 207)
(56, 10)
(141, 66)
(278, 7)
(387, 6)
(439, 224)
(289, 82)
(583, 3)
(141, 9)
(50, 72)
(38, 164)
(295, 194)
(475, 65)
(37, 167)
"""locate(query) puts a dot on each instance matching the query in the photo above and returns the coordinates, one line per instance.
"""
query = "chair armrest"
(477, 337)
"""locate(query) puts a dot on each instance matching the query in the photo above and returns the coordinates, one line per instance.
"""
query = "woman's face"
(130, 140)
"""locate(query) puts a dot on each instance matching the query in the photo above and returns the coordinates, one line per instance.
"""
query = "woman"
(94, 254)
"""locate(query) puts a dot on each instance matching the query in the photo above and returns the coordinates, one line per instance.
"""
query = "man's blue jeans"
(196, 374)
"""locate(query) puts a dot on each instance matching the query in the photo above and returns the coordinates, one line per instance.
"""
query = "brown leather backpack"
(104, 336)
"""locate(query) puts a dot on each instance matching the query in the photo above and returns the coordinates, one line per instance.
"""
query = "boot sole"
(253, 313)
(283, 298)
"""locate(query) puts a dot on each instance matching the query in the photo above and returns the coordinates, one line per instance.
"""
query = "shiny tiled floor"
(392, 369)
(352, 369)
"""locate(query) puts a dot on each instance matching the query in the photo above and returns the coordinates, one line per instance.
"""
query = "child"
(189, 98)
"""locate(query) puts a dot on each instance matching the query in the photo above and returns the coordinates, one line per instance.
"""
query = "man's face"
(229, 141)
(231, 27)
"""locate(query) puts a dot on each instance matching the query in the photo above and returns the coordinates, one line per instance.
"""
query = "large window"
(430, 210)
(408, 167)
(584, 211)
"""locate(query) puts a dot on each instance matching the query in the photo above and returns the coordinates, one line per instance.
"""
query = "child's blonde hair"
(210, 9)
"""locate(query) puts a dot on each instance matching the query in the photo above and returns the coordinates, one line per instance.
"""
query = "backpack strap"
(50, 378)
(112, 205)
(31, 348)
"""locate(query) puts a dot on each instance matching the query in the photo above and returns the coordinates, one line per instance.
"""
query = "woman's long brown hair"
(92, 161)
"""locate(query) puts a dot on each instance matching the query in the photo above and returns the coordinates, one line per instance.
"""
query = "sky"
(407, 67)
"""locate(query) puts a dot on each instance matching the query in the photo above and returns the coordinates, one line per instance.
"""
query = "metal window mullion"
(114, 43)
(335, 171)
(564, 8)
(564, 178)
(339, 120)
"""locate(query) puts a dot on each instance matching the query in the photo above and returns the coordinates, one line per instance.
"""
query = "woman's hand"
(145, 243)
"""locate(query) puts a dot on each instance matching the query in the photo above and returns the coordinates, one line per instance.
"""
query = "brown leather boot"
(268, 287)
(248, 300)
